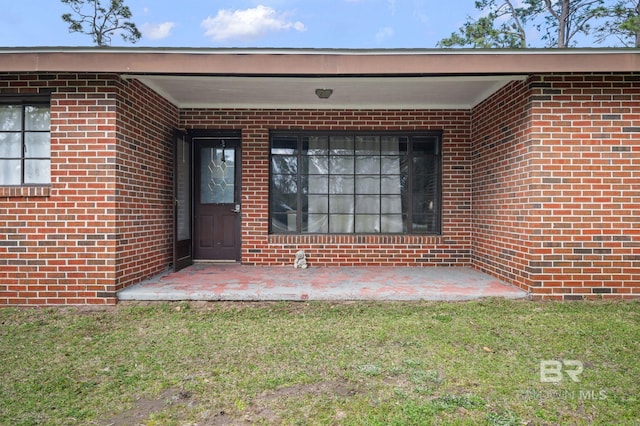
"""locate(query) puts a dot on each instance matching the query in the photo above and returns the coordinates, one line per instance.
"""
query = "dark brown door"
(217, 198)
(182, 243)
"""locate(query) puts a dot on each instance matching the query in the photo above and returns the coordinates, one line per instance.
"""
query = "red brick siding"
(502, 194)
(105, 221)
(540, 188)
(260, 248)
(556, 173)
(57, 243)
(587, 157)
(144, 183)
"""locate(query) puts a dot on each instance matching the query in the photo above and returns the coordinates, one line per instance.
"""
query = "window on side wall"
(369, 183)
(25, 147)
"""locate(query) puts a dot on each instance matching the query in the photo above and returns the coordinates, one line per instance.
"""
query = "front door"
(217, 198)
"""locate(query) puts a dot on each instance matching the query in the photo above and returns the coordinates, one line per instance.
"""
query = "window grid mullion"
(23, 145)
(410, 186)
(299, 186)
(355, 190)
(380, 185)
(337, 178)
(329, 174)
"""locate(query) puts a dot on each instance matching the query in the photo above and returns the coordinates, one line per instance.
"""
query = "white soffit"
(404, 92)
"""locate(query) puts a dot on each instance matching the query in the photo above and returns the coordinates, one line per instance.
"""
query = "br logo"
(551, 370)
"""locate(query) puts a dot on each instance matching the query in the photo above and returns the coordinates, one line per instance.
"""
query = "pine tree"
(92, 18)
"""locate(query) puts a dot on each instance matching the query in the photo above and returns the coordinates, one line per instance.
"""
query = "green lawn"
(322, 363)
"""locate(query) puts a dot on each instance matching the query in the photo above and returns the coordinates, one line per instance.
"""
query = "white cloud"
(384, 34)
(247, 24)
(157, 31)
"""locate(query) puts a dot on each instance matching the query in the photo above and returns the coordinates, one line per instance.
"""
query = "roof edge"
(271, 61)
(313, 51)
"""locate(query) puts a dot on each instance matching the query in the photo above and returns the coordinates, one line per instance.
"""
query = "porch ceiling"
(380, 92)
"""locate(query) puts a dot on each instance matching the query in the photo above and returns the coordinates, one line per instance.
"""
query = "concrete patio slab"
(234, 282)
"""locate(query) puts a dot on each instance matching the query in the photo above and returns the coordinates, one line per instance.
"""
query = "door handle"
(236, 209)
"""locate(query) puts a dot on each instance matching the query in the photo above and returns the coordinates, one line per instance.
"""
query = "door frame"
(204, 136)
(182, 249)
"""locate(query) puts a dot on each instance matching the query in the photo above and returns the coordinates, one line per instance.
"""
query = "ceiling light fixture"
(324, 93)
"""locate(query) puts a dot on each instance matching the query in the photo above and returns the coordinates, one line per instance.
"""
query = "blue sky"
(246, 23)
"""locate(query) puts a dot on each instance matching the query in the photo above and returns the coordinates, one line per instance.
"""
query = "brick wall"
(260, 248)
(502, 178)
(556, 175)
(144, 185)
(57, 242)
(587, 157)
(540, 188)
(64, 243)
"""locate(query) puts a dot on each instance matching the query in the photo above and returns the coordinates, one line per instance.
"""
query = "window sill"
(25, 191)
(354, 238)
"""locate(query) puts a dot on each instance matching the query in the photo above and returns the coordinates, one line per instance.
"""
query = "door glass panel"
(183, 175)
(217, 175)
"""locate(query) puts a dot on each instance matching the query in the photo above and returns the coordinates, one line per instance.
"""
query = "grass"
(320, 363)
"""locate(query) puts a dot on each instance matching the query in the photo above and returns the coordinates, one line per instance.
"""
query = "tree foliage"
(566, 19)
(101, 23)
(621, 21)
(501, 27)
(507, 23)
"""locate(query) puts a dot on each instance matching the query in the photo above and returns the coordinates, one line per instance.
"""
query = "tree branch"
(521, 31)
